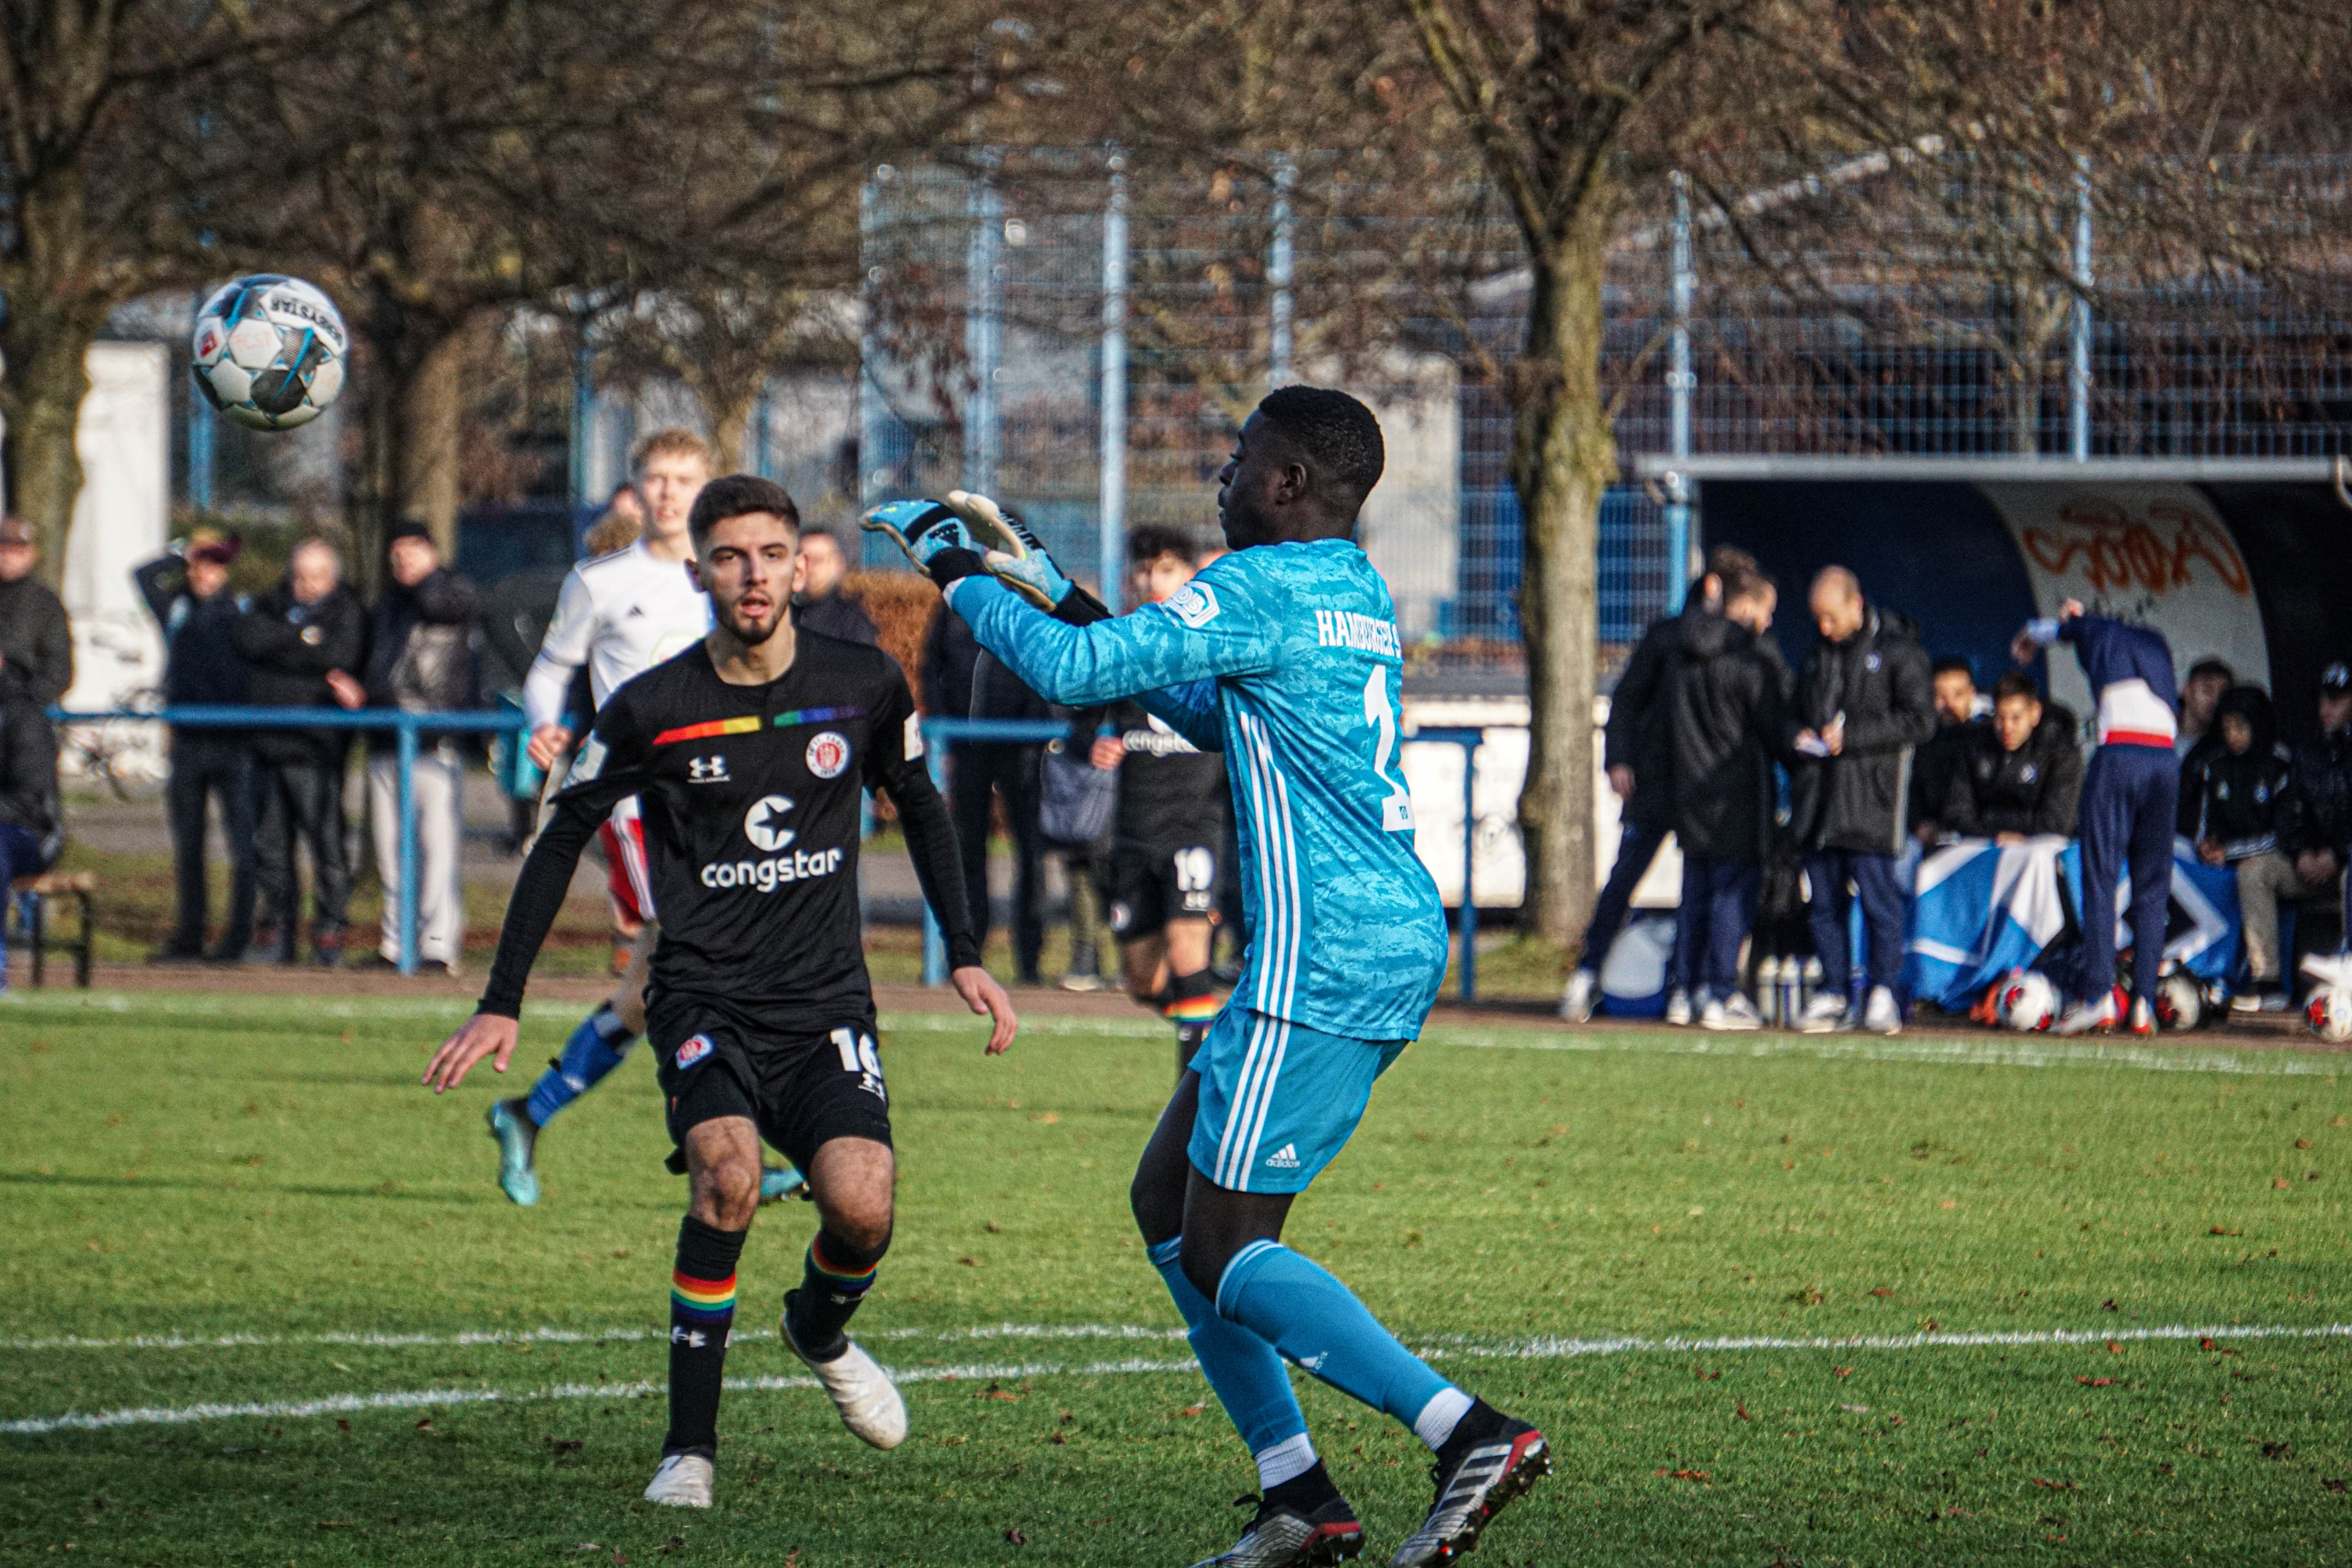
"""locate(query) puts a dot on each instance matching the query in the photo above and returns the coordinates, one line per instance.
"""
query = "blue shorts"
(1279, 1100)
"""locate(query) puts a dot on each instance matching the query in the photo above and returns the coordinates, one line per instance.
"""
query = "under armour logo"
(706, 769)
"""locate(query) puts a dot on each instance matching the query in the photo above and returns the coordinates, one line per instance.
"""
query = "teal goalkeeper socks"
(1248, 1377)
(1302, 1310)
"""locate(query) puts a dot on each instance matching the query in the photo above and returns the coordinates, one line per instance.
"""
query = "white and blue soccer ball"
(2028, 1002)
(268, 351)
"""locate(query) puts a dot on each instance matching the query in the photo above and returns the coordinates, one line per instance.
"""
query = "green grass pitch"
(1971, 1280)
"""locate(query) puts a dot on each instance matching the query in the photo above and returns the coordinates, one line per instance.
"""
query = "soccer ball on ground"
(268, 351)
(2329, 1011)
(2027, 1002)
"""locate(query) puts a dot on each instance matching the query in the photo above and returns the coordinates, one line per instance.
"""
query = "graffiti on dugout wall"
(2163, 546)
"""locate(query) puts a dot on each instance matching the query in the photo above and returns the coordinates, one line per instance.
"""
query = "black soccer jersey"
(1169, 791)
(751, 802)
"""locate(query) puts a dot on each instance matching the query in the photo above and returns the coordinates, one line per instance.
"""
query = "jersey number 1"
(1396, 809)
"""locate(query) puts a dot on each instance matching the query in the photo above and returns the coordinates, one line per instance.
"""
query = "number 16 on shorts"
(858, 1056)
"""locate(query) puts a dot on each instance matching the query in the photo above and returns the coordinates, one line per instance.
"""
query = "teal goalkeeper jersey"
(1286, 657)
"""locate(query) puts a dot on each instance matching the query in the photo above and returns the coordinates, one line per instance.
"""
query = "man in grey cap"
(35, 641)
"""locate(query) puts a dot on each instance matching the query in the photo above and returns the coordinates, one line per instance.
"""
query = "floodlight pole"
(583, 408)
(1680, 382)
(2078, 377)
(1111, 524)
(984, 330)
(871, 408)
(1279, 263)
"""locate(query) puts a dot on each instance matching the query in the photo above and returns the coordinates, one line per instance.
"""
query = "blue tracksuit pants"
(2131, 795)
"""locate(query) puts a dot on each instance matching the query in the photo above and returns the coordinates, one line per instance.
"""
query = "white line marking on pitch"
(1539, 1348)
(569, 1337)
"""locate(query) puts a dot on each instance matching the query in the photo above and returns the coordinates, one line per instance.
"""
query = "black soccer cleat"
(1478, 1471)
(1283, 1537)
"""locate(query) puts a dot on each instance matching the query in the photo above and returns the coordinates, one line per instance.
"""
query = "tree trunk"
(431, 404)
(48, 377)
(1563, 457)
(729, 411)
(52, 318)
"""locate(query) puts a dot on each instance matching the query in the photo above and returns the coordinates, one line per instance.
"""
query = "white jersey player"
(619, 614)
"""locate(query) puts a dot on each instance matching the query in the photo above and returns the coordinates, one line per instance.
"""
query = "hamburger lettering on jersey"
(620, 615)
(750, 805)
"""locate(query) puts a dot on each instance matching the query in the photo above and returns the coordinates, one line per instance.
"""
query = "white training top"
(620, 615)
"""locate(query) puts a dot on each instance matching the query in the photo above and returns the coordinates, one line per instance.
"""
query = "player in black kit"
(1168, 837)
(749, 752)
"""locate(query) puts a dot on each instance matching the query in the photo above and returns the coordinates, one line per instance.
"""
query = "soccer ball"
(2027, 1002)
(2180, 1001)
(2329, 1011)
(268, 351)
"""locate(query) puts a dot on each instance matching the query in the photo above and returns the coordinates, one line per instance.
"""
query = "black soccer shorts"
(802, 1087)
(1153, 883)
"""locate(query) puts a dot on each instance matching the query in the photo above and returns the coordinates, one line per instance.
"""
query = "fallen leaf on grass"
(1956, 1511)
(2278, 1451)
(342, 1426)
(2302, 1142)
(1740, 1411)
(2109, 1305)
(1704, 1376)
(1191, 1410)
(1686, 1475)
(2114, 1349)
(2054, 1486)
(2281, 1183)
(2097, 1382)
(2334, 1486)
(1015, 1537)
(426, 1425)
(564, 1444)
(334, 1524)
(676, 1544)
(1882, 1291)
(2217, 1350)
(2217, 1230)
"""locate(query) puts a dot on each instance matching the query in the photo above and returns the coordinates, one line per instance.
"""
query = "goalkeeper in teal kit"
(1283, 655)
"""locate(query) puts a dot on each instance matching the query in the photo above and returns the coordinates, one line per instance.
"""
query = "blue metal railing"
(404, 726)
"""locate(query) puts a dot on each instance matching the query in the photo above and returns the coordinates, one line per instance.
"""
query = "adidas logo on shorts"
(1285, 1158)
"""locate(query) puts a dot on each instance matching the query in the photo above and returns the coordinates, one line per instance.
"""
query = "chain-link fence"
(1013, 301)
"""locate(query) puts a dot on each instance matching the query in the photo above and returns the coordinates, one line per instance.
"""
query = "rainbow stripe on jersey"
(746, 725)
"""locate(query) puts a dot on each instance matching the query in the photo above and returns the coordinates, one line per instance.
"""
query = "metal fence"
(1081, 339)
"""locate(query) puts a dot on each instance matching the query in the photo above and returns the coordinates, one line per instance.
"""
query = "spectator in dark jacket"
(1726, 710)
(420, 659)
(30, 830)
(1638, 752)
(821, 606)
(36, 640)
(1865, 702)
(1959, 729)
(2316, 829)
(304, 630)
(188, 594)
(961, 680)
(2233, 801)
(2022, 773)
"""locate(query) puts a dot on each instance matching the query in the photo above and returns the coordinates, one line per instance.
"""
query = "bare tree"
(93, 96)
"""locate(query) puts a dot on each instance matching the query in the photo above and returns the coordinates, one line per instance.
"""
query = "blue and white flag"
(1981, 909)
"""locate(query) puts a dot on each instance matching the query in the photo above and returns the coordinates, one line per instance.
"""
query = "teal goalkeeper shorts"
(1279, 1100)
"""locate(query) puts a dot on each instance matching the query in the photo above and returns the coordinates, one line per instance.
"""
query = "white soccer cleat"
(683, 1481)
(1824, 1014)
(868, 1401)
(2098, 1014)
(1880, 1015)
(1576, 1002)
(1734, 1015)
(1678, 1008)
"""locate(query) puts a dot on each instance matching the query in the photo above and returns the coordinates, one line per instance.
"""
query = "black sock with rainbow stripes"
(1191, 1006)
(833, 1282)
(701, 1313)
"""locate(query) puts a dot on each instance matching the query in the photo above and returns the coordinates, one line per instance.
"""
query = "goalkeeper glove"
(1015, 557)
(934, 538)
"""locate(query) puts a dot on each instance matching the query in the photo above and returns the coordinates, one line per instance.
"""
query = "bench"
(31, 896)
